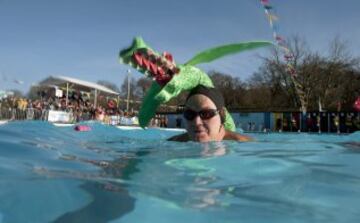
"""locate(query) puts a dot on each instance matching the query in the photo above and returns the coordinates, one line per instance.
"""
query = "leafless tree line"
(331, 80)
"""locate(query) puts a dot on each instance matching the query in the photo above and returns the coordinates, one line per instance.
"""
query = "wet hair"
(214, 95)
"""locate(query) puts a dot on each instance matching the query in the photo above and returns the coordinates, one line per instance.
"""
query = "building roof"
(81, 85)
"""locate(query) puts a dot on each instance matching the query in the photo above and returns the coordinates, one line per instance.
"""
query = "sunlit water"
(56, 174)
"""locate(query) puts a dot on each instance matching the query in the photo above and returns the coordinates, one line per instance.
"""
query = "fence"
(61, 116)
(26, 114)
(322, 122)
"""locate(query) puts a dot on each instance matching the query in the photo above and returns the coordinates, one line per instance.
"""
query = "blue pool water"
(55, 174)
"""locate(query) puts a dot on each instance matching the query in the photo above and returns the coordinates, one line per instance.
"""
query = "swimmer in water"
(205, 116)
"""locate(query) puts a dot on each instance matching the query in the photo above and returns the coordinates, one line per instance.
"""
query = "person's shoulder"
(230, 135)
(179, 138)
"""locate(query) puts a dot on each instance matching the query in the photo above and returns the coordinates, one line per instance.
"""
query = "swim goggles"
(204, 114)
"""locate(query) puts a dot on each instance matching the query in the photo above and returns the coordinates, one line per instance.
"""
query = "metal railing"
(324, 122)
(47, 115)
(23, 114)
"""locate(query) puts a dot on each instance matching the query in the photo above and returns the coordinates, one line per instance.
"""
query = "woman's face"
(202, 129)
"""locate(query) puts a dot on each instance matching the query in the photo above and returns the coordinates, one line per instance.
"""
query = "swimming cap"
(211, 93)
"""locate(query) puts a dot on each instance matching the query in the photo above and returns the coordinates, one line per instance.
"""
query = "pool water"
(56, 174)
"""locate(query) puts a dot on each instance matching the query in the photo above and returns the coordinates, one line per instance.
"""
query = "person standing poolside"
(205, 116)
(178, 122)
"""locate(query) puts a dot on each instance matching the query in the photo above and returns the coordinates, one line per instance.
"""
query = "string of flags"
(280, 41)
(288, 56)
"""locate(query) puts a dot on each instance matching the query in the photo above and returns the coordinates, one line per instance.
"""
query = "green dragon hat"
(171, 79)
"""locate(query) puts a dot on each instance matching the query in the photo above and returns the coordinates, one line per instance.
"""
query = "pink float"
(82, 128)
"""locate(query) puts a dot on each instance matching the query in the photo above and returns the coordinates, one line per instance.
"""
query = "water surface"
(55, 174)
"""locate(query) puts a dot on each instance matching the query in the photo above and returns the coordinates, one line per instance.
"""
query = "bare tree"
(326, 79)
(232, 88)
(142, 86)
(124, 88)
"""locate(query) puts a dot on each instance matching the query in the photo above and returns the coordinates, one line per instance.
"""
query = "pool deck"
(137, 128)
(126, 127)
(63, 124)
(2, 122)
(123, 127)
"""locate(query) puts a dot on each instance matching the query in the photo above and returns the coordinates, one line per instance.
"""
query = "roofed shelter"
(69, 82)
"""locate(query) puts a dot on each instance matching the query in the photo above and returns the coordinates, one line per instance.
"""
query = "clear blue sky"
(82, 38)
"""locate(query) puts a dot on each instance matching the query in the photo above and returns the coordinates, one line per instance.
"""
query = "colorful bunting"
(272, 17)
(287, 54)
(279, 38)
(267, 7)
